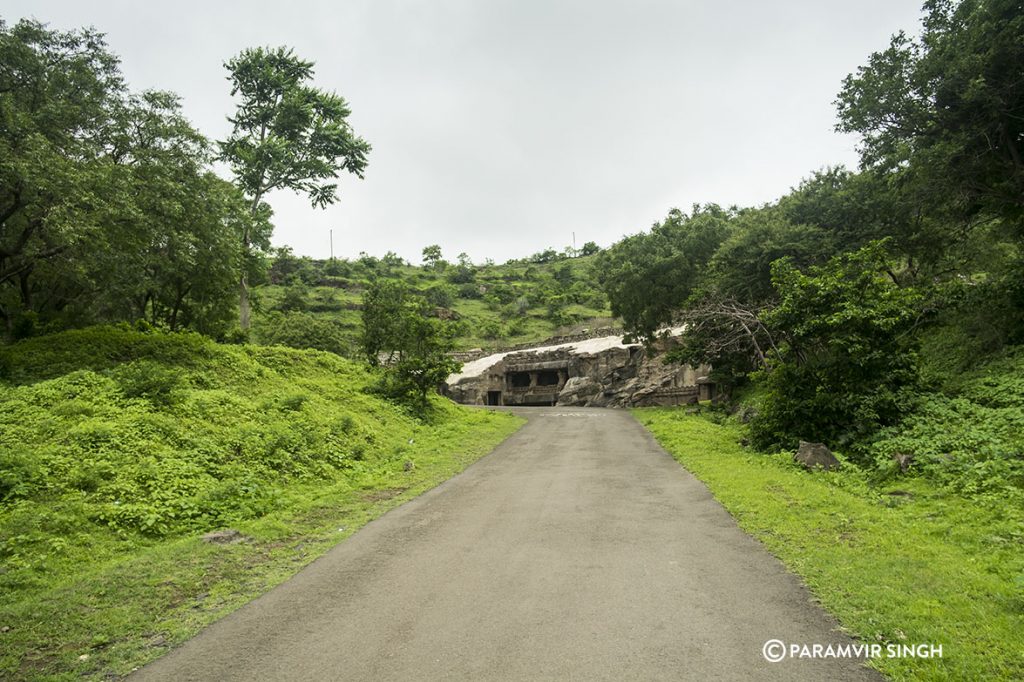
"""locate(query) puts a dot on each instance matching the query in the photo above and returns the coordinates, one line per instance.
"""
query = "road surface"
(577, 550)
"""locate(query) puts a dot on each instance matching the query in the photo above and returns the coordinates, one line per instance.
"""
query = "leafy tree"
(441, 295)
(57, 90)
(589, 249)
(296, 298)
(852, 209)
(943, 112)
(548, 255)
(412, 347)
(285, 264)
(563, 274)
(650, 276)
(286, 135)
(433, 258)
(740, 268)
(846, 360)
(171, 253)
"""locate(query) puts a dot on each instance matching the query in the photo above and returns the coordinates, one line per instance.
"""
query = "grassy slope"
(920, 567)
(337, 304)
(118, 449)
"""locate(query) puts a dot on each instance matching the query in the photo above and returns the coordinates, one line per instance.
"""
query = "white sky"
(500, 127)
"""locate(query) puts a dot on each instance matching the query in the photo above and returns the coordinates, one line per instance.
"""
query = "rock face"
(816, 455)
(599, 372)
(578, 390)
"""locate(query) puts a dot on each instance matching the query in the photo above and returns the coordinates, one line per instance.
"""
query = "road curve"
(577, 550)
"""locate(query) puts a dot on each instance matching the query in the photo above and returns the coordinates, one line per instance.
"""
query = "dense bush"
(304, 330)
(845, 363)
(970, 437)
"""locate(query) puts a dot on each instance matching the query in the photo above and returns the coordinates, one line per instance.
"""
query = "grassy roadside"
(120, 448)
(904, 563)
(102, 623)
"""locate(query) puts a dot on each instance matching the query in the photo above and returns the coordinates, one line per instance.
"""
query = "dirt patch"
(381, 495)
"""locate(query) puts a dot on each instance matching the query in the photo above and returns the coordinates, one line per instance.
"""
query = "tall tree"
(287, 135)
(945, 112)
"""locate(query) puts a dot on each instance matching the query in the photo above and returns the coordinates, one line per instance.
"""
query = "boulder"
(903, 459)
(816, 455)
(578, 390)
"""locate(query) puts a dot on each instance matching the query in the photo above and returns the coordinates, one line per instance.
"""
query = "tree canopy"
(108, 207)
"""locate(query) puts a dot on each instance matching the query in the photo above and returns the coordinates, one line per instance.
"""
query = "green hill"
(310, 303)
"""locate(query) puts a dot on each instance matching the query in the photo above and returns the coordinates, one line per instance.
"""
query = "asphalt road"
(577, 550)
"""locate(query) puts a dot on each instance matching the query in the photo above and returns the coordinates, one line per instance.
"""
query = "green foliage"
(109, 209)
(940, 111)
(463, 273)
(846, 361)
(969, 438)
(648, 277)
(304, 330)
(295, 298)
(149, 380)
(741, 266)
(286, 134)
(432, 257)
(104, 491)
(441, 295)
(503, 297)
(546, 256)
(490, 330)
(411, 347)
(154, 435)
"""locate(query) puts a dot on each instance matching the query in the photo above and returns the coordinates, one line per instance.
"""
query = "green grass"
(904, 562)
(119, 449)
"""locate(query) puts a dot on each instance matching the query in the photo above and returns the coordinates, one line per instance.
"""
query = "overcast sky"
(501, 127)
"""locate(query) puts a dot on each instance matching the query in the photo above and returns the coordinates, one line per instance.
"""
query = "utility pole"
(332, 243)
(574, 243)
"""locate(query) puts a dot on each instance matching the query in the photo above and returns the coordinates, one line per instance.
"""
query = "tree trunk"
(244, 309)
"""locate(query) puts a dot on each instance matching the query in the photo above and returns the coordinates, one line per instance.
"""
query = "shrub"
(149, 380)
(295, 298)
(303, 330)
(441, 295)
(846, 363)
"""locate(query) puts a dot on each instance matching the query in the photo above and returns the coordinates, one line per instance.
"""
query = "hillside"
(310, 303)
(119, 448)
